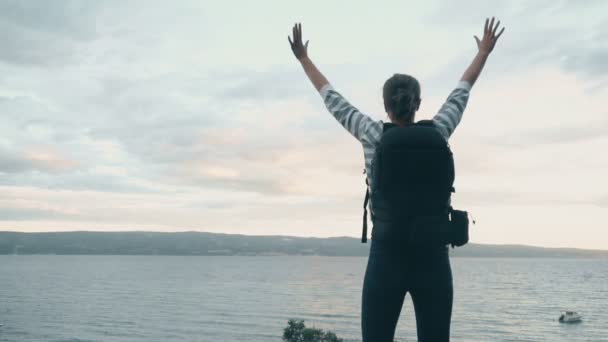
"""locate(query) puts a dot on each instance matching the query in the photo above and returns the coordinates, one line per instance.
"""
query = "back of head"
(401, 97)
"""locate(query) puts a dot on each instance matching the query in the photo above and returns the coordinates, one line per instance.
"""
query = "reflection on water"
(163, 298)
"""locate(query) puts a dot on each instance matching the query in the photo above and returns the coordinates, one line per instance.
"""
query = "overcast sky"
(194, 115)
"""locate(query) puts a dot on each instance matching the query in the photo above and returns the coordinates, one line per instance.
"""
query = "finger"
(495, 28)
(485, 27)
(295, 34)
(306, 45)
(500, 33)
(491, 25)
(477, 40)
(300, 32)
(290, 42)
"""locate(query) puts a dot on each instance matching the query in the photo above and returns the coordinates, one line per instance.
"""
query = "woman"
(392, 271)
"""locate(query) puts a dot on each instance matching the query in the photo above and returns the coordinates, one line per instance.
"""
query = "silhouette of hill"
(202, 243)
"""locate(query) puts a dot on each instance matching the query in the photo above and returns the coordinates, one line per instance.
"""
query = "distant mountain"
(201, 243)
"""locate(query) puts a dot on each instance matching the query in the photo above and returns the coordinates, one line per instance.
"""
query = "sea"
(250, 298)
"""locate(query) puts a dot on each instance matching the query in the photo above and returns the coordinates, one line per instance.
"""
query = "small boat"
(570, 317)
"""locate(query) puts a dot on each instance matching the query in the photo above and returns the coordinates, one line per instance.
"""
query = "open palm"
(488, 41)
(299, 50)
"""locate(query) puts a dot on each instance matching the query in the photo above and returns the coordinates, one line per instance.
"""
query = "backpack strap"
(425, 123)
(388, 125)
(385, 127)
(432, 124)
(364, 235)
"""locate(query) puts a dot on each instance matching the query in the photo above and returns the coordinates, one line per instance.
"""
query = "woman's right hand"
(488, 41)
(299, 50)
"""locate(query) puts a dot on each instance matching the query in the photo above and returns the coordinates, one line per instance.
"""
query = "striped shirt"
(368, 131)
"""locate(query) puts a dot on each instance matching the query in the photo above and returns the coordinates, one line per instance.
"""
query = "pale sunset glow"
(152, 115)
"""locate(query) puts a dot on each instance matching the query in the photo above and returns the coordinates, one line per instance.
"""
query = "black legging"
(392, 271)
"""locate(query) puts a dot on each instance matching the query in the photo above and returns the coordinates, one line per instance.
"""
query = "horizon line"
(284, 236)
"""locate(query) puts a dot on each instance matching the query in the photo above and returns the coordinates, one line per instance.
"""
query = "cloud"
(122, 116)
(505, 198)
(277, 83)
(538, 34)
(11, 163)
(69, 18)
(35, 160)
(553, 135)
(29, 214)
(46, 33)
(602, 202)
(591, 61)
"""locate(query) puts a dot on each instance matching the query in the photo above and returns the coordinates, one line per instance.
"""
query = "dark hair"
(401, 96)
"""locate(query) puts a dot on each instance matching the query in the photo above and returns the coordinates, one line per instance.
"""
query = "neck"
(402, 122)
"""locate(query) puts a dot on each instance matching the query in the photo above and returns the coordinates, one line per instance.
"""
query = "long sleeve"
(358, 124)
(450, 114)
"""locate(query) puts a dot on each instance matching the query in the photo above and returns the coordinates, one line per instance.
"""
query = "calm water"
(163, 298)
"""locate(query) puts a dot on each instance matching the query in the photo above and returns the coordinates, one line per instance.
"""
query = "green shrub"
(296, 331)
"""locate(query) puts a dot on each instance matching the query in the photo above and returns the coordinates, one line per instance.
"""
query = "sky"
(194, 115)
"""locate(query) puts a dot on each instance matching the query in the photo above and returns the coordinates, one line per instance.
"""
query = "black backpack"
(412, 181)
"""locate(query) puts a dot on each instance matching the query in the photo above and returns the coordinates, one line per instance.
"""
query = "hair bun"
(405, 102)
(403, 97)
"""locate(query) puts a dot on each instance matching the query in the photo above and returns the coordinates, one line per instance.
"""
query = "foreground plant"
(296, 331)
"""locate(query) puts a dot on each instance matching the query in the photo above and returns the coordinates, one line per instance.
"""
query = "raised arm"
(358, 124)
(301, 52)
(484, 46)
(450, 114)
